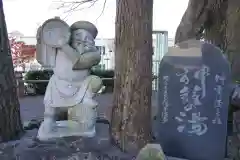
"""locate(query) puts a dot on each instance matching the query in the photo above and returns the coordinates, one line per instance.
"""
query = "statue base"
(63, 129)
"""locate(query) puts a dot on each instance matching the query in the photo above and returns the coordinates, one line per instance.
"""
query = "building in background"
(106, 48)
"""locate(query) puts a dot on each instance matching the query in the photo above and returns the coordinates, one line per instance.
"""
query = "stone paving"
(32, 106)
(28, 148)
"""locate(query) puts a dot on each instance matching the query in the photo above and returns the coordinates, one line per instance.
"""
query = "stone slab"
(193, 103)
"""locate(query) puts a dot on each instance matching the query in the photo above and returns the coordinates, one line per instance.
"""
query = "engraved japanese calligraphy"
(165, 100)
(218, 100)
(190, 119)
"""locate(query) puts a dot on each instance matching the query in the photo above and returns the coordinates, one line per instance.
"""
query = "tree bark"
(192, 20)
(220, 20)
(215, 29)
(10, 121)
(131, 115)
(233, 37)
(207, 16)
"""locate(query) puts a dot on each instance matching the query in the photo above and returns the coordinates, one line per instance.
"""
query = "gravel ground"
(28, 148)
(99, 147)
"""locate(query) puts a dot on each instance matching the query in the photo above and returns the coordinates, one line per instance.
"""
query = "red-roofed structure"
(21, 52)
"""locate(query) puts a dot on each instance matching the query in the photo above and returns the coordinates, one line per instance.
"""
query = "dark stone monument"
(193, 99)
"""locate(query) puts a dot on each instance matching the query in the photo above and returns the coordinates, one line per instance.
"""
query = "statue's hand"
(90, 48)
(71, 53)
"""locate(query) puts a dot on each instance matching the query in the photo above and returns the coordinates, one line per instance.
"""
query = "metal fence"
(105, 64)
(160, 48)
(156, 64)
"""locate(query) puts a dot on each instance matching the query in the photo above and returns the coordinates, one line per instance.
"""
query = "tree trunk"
(10, 122)
(192, 20)
(205, 15)
(233, 37)
(131, 115)
(215, 30)
(220, 20)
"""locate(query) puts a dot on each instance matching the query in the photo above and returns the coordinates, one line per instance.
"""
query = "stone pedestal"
(63, 129)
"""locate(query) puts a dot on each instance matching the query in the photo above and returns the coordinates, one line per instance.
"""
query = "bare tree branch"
(72, 6)
(103, 8)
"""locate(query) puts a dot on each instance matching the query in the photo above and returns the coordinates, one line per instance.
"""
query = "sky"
(26, 15)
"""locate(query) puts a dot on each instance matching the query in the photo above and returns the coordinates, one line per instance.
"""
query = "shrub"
(103, 73)
(109, 82)
(40, 87)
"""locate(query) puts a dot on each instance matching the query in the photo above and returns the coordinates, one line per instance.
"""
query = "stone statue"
(71, 52)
